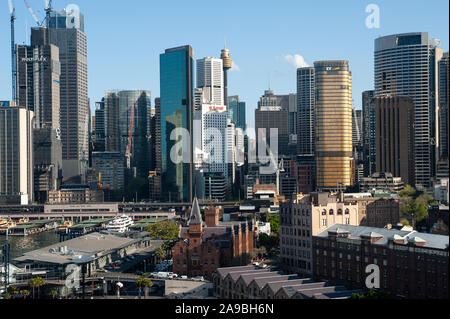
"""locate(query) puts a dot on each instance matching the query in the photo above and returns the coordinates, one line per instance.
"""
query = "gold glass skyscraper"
(333, 124)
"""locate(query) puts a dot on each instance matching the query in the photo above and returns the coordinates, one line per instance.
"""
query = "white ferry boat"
(120, 224)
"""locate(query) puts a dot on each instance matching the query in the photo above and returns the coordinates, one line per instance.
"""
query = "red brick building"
(205, 246)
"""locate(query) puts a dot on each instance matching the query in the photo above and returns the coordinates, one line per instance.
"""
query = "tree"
(36, 283)
(404, 222)
(408, 191)
(53, 293)
(275, 224)
(373, 294)
(161, 253)
(6, 295)
(143, 282)
(167, 230)
(416, 208)
(267, 241)
(25, 293)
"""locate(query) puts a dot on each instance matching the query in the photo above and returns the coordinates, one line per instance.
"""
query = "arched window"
(339, 211)
(331, 212)
(324, 212)
(347, 211)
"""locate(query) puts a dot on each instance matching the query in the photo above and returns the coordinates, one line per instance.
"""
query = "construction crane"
(130, 135)
(100, 185)
(12, 12)
(32, 13)
(48, 11)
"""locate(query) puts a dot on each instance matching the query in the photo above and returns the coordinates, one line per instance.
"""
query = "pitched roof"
(276, 285)
(336, 294)
(262, 281)
(226, 270)
(291, 289)
(309, 293)
(196, 217)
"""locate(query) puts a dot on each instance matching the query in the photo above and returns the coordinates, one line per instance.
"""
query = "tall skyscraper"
(368, 132)
(306, 111)
(67, 33)
(100, 127)
(272, 117)
(119, 107)
(176, 85)
(356, 128)
(333, 134)
(394, 118)
(210, 80)
(214, 150)
(157, 132)
(236, 112)
(406, 65)
(47, 162)
(38, 77)
(16, 155)
(443, 105)
(287, 102)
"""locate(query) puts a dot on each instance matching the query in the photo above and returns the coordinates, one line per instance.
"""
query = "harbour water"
(22, 244)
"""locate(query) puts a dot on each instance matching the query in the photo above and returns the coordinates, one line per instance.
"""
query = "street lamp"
(119, 285)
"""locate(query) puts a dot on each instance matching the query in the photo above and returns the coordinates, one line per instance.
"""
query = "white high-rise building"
(210, 79)
(16, 155)
(214, 139)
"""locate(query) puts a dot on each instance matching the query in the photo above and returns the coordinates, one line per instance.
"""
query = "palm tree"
(143, 282)
(7, 295)
(25, 293)
(36, 283)
(13, 290)
(147, 283)
(53, 293)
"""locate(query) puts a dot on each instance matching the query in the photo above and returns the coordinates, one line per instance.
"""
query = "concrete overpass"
(140, 209)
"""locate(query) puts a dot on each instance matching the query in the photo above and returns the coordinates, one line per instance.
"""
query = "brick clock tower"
(205, 246)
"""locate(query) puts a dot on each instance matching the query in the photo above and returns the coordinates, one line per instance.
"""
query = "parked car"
(140, 273)
(198, 278)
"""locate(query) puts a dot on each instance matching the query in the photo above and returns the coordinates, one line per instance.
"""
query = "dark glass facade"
(237, 112)
(176, 76)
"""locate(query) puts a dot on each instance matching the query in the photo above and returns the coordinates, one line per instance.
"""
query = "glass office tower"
(333, 124)
(236, 111)
(176, 82)
(407, 65)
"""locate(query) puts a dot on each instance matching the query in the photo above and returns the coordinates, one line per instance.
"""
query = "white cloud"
(296, 60)
(235, 68)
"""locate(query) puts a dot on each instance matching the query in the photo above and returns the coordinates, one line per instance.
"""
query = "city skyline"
(250, 76)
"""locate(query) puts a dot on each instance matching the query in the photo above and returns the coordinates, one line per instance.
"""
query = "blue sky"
(125, 38)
